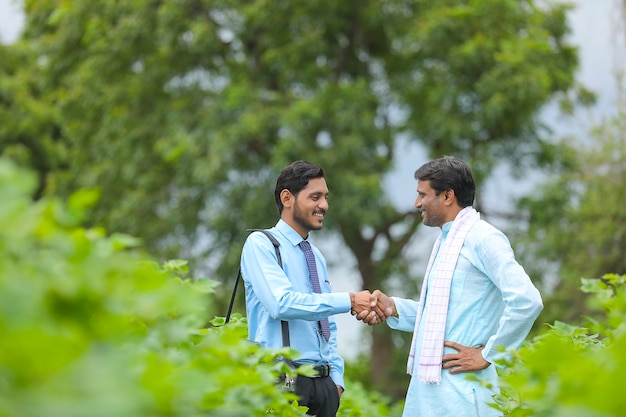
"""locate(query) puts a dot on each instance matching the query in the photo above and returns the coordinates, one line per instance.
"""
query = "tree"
(29, 132)
(182, 112)
(576, 221)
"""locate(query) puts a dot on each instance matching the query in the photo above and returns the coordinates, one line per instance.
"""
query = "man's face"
(430, 205)
(311, 205)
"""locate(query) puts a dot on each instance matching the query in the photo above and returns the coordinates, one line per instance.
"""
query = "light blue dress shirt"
(493, 303)
(274, 294)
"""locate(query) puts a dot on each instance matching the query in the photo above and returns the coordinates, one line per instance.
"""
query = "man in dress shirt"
(274, 293)
(475, 299)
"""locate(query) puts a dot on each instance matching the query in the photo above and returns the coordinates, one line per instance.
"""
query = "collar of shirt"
(289, 233)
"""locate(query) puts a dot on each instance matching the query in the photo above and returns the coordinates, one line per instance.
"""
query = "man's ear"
(450, 197)
(286, 198)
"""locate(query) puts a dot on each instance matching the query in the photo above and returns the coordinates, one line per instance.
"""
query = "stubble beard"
(300, 218)
(429, 221)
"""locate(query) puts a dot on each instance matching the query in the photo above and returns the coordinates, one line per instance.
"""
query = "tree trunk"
(384, 376)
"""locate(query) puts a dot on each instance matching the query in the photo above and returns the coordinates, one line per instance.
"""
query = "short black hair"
(294, 177)
(449, 173)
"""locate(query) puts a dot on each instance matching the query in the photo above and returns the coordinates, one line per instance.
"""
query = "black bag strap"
(283, 324)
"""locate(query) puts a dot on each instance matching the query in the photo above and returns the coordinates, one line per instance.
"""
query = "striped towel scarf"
(430, 359)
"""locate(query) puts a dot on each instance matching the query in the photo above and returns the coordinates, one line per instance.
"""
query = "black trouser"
(319, 394)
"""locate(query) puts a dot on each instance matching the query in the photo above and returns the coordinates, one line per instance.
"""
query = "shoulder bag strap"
(283, 324)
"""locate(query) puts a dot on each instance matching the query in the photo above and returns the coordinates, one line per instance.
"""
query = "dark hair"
(449, 173)
(294, 177)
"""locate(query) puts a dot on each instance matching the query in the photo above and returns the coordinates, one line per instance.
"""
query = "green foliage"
(29, 132)
(357, 401)
(181, 113)
(609, 296)
(89, 329)
(576, 220)
(570, 370)
(485, 66)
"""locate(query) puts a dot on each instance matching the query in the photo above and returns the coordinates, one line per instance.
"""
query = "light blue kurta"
(492, 303)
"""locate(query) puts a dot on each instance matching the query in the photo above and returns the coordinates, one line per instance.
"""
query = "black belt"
(322, 370)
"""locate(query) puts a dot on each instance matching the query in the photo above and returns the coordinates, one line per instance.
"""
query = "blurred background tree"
(572, 224)
(576, 221)
(181, 113)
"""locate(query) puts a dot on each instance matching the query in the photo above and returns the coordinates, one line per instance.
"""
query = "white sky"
(11, 21)
(599, 31)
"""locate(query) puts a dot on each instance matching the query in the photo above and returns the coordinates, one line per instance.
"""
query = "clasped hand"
(372, 308)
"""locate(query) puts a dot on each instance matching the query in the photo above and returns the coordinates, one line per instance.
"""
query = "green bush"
(358, 402)
(88, 328)
(571, 371)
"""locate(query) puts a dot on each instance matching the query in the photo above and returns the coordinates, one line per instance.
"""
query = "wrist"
(352, 301)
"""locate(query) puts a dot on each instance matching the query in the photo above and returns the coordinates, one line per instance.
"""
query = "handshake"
(372, 308)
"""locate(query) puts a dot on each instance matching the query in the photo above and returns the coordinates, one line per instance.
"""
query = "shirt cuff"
(406, 320)
(337, 379)
(393, 322)
(340, 301)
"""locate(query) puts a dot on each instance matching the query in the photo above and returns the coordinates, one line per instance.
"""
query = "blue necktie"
(323, 324)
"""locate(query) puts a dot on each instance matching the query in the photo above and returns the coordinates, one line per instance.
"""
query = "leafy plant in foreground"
(89, 328)
(570, 370)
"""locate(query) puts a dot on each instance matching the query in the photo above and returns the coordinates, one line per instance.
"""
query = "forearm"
(514, 326)
(311, 307)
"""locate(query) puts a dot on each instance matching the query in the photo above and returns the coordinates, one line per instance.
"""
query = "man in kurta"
(475, 299)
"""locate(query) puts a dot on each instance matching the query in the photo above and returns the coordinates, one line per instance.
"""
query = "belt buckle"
(323, 371)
